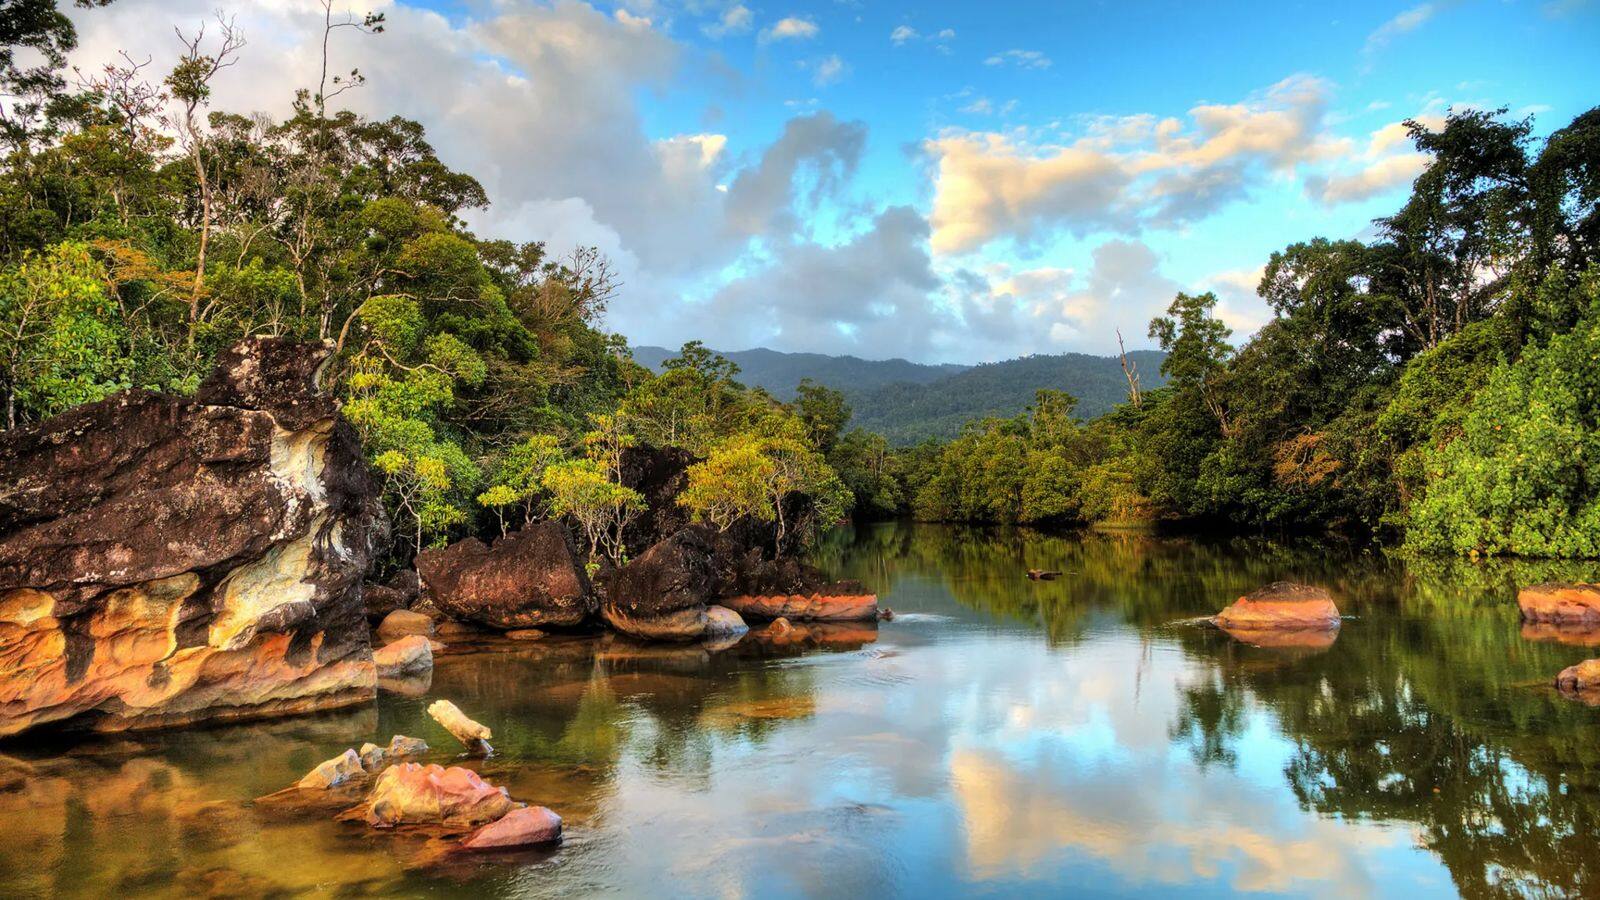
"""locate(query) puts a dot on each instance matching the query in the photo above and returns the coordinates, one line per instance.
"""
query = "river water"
(999, 737)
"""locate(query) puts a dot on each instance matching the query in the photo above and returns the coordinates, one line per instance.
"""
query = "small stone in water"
(334, 772)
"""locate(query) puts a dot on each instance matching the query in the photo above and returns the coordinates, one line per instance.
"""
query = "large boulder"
(662, 594)
(845, 602)
(166, 560)
(1561, 603)
(1282, 605)
(398, 593)
(415, 794)
(527, 579)
(1581, 681)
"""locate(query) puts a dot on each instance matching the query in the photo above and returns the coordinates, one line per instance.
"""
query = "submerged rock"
(523, 827)
(474, 735)
(1561, 603)
(1282, 605)
(166, 560)
(1043, 574)
(527, 579)
(411, 655)
(334, 772)
(410, 793)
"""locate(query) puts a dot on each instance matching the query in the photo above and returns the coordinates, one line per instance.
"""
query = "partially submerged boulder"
(1561, 603)
(410, 793)
(1581, 681)
(1281, 606)
(844, 602)
(167, 560)
(400, 745)
(411, 655)
(662, 594)
(474, 735)
(525, 827)
(334, 772)
(527, 579)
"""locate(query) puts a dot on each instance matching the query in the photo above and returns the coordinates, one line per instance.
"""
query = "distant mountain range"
(908, 402)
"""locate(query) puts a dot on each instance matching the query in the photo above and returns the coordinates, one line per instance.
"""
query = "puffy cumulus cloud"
(1124, 173)
(1387, 163)
(903, 33)
(987, 185)
(791, 28)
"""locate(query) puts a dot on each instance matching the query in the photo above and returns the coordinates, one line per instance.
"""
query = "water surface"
(999, 737)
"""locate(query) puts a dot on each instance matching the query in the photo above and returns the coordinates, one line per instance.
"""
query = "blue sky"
(941, 181)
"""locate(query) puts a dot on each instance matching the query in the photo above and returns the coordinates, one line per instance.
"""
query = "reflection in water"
(1001, 735)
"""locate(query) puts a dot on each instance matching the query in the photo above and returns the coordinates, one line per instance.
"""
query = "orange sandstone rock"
(1561, 603)
(409, 655)
(807, 608)
(1281, 605)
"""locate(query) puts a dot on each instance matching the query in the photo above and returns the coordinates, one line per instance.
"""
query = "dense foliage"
(142, 231)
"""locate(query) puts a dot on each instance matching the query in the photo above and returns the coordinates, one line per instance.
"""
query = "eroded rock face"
(165, 560)
(1281, 606)
(527, 579)
(1561, 603)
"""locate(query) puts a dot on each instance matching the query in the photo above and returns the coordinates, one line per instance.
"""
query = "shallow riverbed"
(1000, 736)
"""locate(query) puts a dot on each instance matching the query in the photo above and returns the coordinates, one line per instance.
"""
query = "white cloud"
(1026, 59)
(1125, 172)
(1403, 23)
(829, 70)
(790, 28)
(736, 19)
(903, 33)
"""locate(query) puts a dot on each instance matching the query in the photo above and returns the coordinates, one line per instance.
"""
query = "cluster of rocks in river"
(403, 793)
(167, 560)
(1566, 612)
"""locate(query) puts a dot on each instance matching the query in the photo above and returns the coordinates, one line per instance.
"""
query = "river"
(999, 737)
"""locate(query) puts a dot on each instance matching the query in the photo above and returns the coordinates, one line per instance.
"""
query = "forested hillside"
(909, 414)
(910, 402)
(780, 373)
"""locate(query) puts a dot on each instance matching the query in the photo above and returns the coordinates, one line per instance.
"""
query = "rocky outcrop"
(527, 579)
(659, 474)
(411, 793)
(1565, 604)
(166, 560)
(1281, 606)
